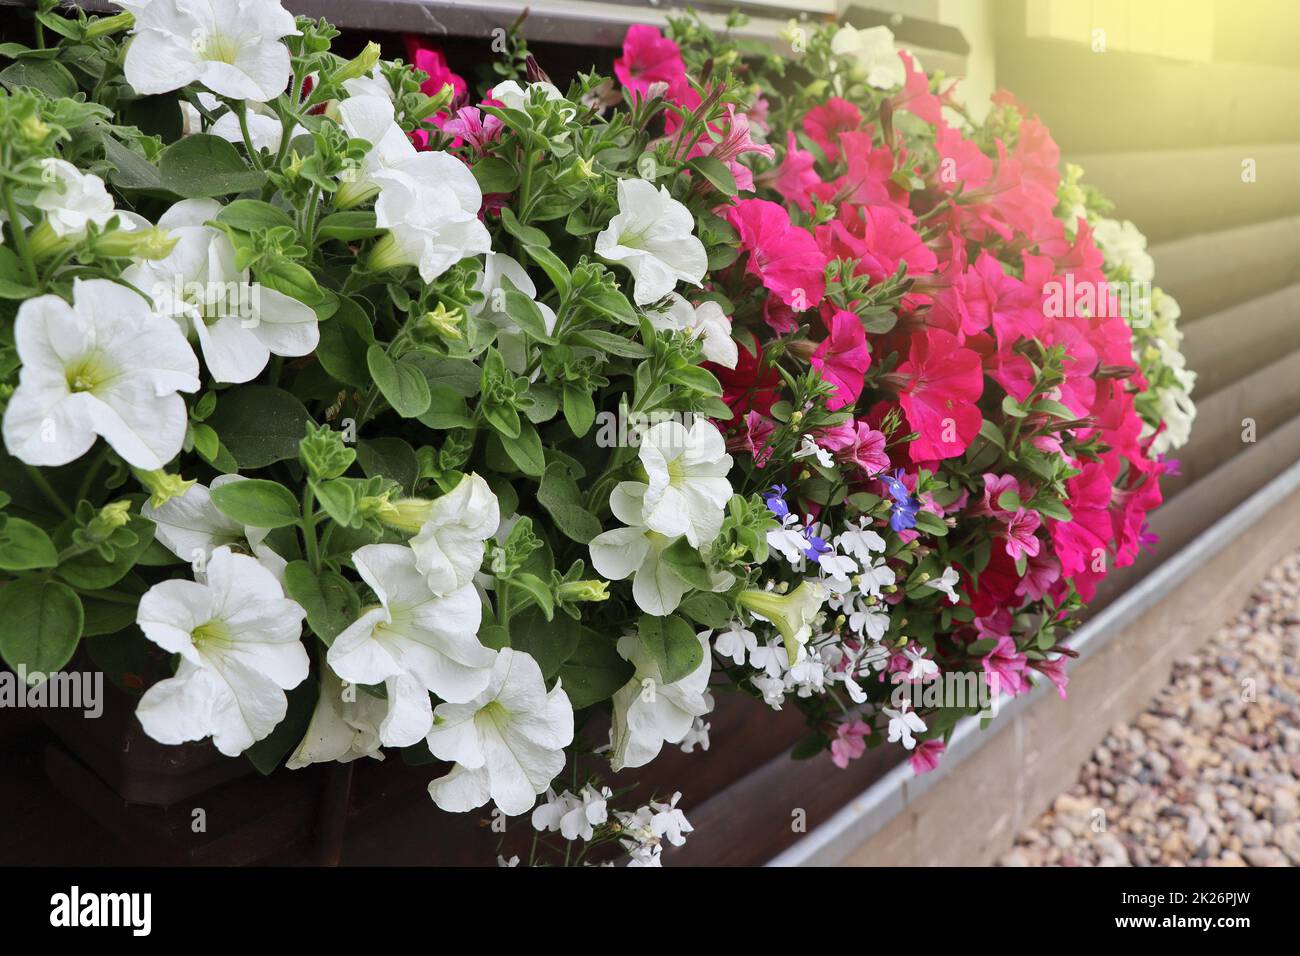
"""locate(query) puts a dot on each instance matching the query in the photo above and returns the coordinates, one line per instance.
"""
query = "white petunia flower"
(376, 84)
(191, 527)
(653, 236)
(414, 642)
(903, 724)
(449, 546)
(232, 47)
(1123, 244)
(946, 583)
(510, 338)
(688, 489)
(735, 643)
(239, 324)
(875, 59)
(636, 551)
(73, 200)
(431, 215)
(238, 639)
(515, 97)
(344, 726)
(507, 743)
(105, 365)
(649, 713)
(706, 320)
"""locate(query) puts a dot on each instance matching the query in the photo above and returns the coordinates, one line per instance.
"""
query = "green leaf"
(495, 175)
(202, 166)
(931, 524)
(672, 643)
(348, 226)
(555, 270)
(260, 425)
(1013, 408)
(1052, 508)
(131, 170)
(338, 499)
(391, 458)
(537, 589)
(528, 235)
(1009, 501)
(579, 409)
(707, 609)
(42, 625)
(528, 316)
(402, 383)
(611, 343)
(250, 214)
(23, 547)
(563, 501)
(329, 600)
(550, 642)
(92, 572)
(594, 671)
(526, 450)
(343, 344)
(447, 409)
(716, 172)
(257, 503)
(48, 76)
(684, 560)
(696, 378)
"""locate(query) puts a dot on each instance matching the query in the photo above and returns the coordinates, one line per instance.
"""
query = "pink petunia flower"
(782, 256)
(734, 141)
(650, 57)
(842, 358)
(943, 383)
(1021, 540)
(795, 178)
(925, 757)
(824, 123)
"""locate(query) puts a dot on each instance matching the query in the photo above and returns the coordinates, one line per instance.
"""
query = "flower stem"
(309, 527)
(20, 236)
(47, 489)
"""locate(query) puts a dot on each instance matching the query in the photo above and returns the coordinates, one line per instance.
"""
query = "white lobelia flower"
(808, 448)
(239, 324)
(430, 210)
(903, 724)
(344, 726)
(922, 667)
(191, 527)
(507, 743)
(572, 816)
(499, 268)
(688, 488)
(697, 736)
(875, 59)
(860, 541)
(649, 713)
(736, 643)
(706, 320)
(946, 583)
(232, 47)
(450, 544)
(105, 365)
(652, 234)
(669, 823)
(875, 577)
(413, 642)
(636, 550)
(238, 639)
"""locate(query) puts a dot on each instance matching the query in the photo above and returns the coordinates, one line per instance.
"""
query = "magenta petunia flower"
(842, 358)
(944, 381)
(783, 257)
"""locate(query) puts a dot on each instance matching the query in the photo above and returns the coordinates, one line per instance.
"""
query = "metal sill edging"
(868, 813)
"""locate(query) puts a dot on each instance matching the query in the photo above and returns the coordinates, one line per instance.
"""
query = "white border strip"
(881, 802)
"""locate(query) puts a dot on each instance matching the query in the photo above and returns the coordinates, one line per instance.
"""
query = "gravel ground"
(1210, 774)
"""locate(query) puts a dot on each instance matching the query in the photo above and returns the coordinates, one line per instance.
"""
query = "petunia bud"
(360, 65)
(162, 487)
(406, 514)
(106, 26)
(152, 243)
(583, 591)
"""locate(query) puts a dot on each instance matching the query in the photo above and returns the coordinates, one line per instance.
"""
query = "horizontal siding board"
(1232, 344)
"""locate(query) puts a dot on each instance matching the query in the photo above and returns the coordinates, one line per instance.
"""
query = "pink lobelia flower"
(926, 755)
(784, 257)
(824, 123)
(1021, 539)
(734, 141)
(848, 744)
(650, 57)
(842, 358)
(944, 381)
